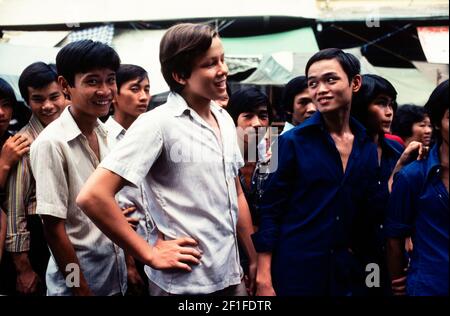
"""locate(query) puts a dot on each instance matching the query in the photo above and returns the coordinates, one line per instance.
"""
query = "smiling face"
(380, 114)
(93, 92)
(133, 98)
(208, 77)
(329, 86)
(46, 103)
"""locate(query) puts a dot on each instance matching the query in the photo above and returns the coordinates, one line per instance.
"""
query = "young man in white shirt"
(186, 154)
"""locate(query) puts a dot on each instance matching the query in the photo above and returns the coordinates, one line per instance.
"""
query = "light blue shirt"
(190, 174)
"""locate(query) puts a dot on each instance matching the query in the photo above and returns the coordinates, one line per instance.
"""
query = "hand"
(174, 254)
(27, 282)
(250, 279)
(412, 150)
(399, 286)
(13, 149)
(264, 289)
(133, 222)
(408, 245)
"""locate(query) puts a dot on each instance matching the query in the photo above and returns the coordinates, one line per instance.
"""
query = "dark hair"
(291, 89)
(7, 92)
(247, 100)
(127, 72)
(349, 63)
(83, 56)
(405, 117)
(179, 47)
(37, 75)
(437, 104)
(371, 87)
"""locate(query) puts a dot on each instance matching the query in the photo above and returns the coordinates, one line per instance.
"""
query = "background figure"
(418, 207)
(297, 103)
(12, 148)
(374, 106)
(25, 240)
(412, 123)
(132, 99)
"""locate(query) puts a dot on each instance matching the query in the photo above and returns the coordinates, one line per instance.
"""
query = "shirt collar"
(35, 125)
(114, 128)
(71, 129)
(433, 163)
(317, 120)
(391, 146)
(179, 105)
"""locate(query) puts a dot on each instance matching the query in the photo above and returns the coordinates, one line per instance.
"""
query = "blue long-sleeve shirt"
(310, 208)
(418, 207)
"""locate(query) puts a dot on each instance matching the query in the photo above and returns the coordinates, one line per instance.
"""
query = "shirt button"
(332, 251)
(379, 182)
(337, 218)
(381, 226)
(440, 196)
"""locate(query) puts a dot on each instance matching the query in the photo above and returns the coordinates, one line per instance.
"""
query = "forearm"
(63, 251)
(104, 211)
(21, 261)
(395, 257)
(4, 172)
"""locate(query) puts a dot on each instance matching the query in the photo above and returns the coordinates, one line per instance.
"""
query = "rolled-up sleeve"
(52, 192)
(276, 194)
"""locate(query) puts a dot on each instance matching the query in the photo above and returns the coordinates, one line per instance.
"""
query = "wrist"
(22, 262)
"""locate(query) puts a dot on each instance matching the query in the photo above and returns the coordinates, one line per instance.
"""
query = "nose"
(389, 111)
(144, 96)
(48, 105)
(322, 88)
(311, 108)
(428, 130)
(223, 68)
(104, 90)
(256, 122)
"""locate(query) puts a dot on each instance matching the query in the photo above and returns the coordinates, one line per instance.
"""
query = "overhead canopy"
(300, 40)
(72, 12)
(277, 69)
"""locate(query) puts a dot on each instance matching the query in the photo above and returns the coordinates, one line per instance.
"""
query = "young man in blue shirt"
(418, 207)
(312, 200)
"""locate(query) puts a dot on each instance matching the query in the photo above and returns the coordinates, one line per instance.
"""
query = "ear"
(356, 83)
(64, 85)
(179, 78)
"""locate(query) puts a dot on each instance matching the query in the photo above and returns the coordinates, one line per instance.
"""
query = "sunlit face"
(6, 112)
(303, 107)
(46, 103)
(133, 98)
(93, 92)
(380, 114)
(422, 131)
(209, 74)
(329, 86)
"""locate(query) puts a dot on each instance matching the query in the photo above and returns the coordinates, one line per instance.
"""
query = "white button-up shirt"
(62, 161)
(130, 195)
(190, 174)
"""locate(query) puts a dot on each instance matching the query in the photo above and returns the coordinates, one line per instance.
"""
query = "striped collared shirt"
(21, 195)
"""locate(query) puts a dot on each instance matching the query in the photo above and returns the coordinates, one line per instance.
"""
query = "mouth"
(49, 114)
(106, 102)
(222, 84)
(142, 107)
(324, 100)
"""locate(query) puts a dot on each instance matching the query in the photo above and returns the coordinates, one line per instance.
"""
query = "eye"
(92, 82)
(112, 80)
(312, 84)
(134, 89)
(331, 79)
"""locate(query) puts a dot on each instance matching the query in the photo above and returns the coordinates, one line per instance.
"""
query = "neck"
(86, 123)
(124, 120)
(376, 139)
(337, 122)
(198, 104)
